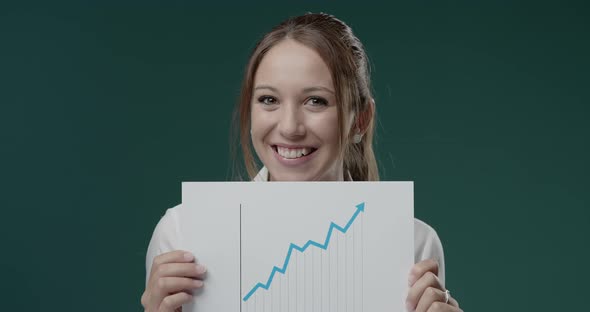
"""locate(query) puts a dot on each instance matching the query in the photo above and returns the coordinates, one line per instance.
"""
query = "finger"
(169, 285)
(180, 270)
(175, 301)
(430, 296)
(442, 307)
(173, 256)
(420, 268)
(429, 279)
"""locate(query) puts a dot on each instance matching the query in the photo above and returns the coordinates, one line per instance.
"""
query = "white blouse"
(166, 237)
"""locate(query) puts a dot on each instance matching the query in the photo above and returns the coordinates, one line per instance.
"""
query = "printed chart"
(302, 246)
(318, 275)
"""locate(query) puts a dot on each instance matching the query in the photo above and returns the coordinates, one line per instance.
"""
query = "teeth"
(292, 153)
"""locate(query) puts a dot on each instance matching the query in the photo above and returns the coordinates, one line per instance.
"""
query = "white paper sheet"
(299, 246)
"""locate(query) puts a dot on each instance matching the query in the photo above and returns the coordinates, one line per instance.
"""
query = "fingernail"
(409, 306)
(201, 269)
(188, 256)
(198, 283)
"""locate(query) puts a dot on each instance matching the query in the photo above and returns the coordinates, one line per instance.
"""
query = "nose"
(291, 125)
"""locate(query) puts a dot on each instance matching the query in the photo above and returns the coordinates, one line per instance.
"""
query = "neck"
(338, 175)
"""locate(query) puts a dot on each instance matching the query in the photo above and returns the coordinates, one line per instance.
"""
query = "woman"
(307, 108)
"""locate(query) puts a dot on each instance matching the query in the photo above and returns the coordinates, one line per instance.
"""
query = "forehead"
(292, 65)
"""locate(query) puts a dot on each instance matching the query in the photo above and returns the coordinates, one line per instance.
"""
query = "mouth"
(289, 153)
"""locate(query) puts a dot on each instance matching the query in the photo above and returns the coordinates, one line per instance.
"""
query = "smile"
(293, 155)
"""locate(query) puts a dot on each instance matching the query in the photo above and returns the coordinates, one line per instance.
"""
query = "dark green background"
(106, 108)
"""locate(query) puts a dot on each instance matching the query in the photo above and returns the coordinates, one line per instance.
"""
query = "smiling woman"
(293, 113)
(307, 110)
(307, 89)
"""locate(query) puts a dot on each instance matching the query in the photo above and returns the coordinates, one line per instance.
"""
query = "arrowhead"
(361, 206)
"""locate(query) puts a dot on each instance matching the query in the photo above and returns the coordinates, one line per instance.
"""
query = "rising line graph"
(359, 208)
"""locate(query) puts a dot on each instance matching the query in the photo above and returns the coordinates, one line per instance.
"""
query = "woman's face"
(294, 115)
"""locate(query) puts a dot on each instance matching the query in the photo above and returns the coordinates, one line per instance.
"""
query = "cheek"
(326, 128)
(261, 123)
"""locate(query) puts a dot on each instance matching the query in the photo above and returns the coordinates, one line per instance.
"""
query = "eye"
(267, 100)
(317, 101)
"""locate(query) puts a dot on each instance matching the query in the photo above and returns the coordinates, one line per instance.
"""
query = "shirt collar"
(262, 176)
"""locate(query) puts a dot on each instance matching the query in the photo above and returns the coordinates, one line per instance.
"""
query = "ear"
(364, 118)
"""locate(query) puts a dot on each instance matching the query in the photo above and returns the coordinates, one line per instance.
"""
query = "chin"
(286, 177)
(282, 175)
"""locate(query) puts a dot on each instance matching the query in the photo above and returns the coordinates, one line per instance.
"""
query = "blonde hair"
(344, 54)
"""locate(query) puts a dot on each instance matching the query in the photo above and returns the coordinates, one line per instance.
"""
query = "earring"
(357, 138)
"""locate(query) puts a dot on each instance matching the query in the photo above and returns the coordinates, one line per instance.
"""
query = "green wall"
(106, 108)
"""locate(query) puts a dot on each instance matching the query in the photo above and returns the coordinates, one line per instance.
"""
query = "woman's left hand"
(427, 294)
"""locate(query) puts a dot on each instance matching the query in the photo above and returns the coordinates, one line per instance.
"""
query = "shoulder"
(424, 236)
(427, 245)
(165, 237)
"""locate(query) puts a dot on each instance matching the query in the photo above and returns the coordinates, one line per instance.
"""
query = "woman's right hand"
(173, 277)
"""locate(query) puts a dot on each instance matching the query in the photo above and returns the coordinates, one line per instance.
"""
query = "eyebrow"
(318, 88)
(305, 90)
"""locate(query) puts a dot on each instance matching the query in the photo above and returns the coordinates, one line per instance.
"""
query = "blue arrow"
(359, 208)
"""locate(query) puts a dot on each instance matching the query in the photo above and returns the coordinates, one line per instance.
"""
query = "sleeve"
(428, 246)
(164, 239)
